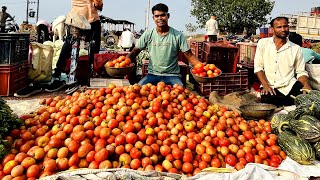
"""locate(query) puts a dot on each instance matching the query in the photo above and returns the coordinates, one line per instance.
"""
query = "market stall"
(158, 131)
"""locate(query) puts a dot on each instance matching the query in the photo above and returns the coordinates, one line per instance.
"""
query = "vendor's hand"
(267, 89)
(307, 87)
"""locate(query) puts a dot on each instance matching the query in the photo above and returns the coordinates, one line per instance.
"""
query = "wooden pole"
(148, 15)
(37, 12)
(27, 12)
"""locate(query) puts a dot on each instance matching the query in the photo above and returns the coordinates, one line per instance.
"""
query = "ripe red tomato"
(275, 158)
(249, 158)
(231, 160)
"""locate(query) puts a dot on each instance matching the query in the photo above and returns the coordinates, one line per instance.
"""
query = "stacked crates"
(224, 56)
(14, 51)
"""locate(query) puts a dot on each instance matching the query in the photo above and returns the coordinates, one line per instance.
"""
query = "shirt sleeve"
(316, 55)
(258, 59)
(300, 65)
(184, 46)
(143, 40)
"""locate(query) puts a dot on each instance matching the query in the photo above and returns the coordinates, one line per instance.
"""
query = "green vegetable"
(296, 147)
(277, 119)
(308, 127)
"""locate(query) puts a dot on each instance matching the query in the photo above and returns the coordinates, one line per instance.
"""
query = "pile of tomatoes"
(120, 62)
(208, 70)
(144, 128)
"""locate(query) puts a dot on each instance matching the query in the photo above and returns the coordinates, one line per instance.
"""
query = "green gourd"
(308, 127)
(295, 146)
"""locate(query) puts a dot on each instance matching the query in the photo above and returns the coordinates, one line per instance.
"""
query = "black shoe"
(56, 85)
(73, 88)
(28, 91)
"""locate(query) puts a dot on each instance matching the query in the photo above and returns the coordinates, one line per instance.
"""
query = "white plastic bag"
(314, 75)
(41, 70)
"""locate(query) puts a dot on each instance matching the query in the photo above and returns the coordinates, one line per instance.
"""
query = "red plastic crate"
(222, 54)
(246, 51)
(196, 49)
(13, 77)
(225, 84)
(183, 68)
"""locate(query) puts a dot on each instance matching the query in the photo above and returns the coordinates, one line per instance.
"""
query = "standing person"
(212, 28)
(308, 54)
(279, 65)
(89, 10)
(163, 43)
(3, 18)
(127, 39)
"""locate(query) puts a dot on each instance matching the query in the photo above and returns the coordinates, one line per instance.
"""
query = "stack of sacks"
(57, 46)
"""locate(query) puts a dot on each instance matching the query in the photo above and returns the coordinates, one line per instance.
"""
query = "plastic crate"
(183, 69)
(13, 78)
(225, 84)
(222, 54)
(196, 49)
(14, 48)
(246, 51)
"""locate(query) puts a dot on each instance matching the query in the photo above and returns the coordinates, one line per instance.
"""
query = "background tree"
(191, 28)
(233, 15)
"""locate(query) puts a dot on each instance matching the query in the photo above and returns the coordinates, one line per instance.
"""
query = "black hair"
(295, 38)
(278, 18)
(4, 7)
(160, 7)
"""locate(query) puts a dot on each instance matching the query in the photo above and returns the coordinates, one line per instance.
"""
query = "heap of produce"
(299, 130)
(120, 62)
(147, 127)
(8, 122)
(208, 70)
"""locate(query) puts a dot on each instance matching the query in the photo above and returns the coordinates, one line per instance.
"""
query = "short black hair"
(4, 7)
(295, 38)
(160, 7)
(278, 18)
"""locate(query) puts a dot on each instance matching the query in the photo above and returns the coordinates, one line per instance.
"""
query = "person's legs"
(61, 65)
(210, 38)
(214, 38)
(64, 55)
(2, 29)
(149, 78)
(280, 99)
(171, 80)
(95, 34)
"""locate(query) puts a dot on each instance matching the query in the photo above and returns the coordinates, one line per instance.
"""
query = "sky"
(135, 10)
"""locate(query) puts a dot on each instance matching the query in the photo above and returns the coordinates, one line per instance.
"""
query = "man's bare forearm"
(304, 81)
(133, 54)
(193, 60)
(262, 78)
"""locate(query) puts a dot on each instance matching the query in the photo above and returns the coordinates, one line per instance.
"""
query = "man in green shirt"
(163, 43)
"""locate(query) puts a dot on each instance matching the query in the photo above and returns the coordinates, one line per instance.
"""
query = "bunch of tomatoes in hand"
(208, 70)
(120, 62)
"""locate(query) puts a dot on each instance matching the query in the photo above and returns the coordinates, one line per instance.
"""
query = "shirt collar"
(288, 44)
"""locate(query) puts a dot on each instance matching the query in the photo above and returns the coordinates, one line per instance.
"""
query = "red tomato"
(231, 160)
(249, 158)
(275, 158)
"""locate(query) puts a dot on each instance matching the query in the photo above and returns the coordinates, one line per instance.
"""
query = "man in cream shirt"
(279, 65)
(127, 39)
(212, 28)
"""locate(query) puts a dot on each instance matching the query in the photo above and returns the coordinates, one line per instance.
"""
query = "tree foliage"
(233, 15)
(191, 28)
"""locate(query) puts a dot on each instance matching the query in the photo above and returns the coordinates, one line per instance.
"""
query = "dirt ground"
(22, 106)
